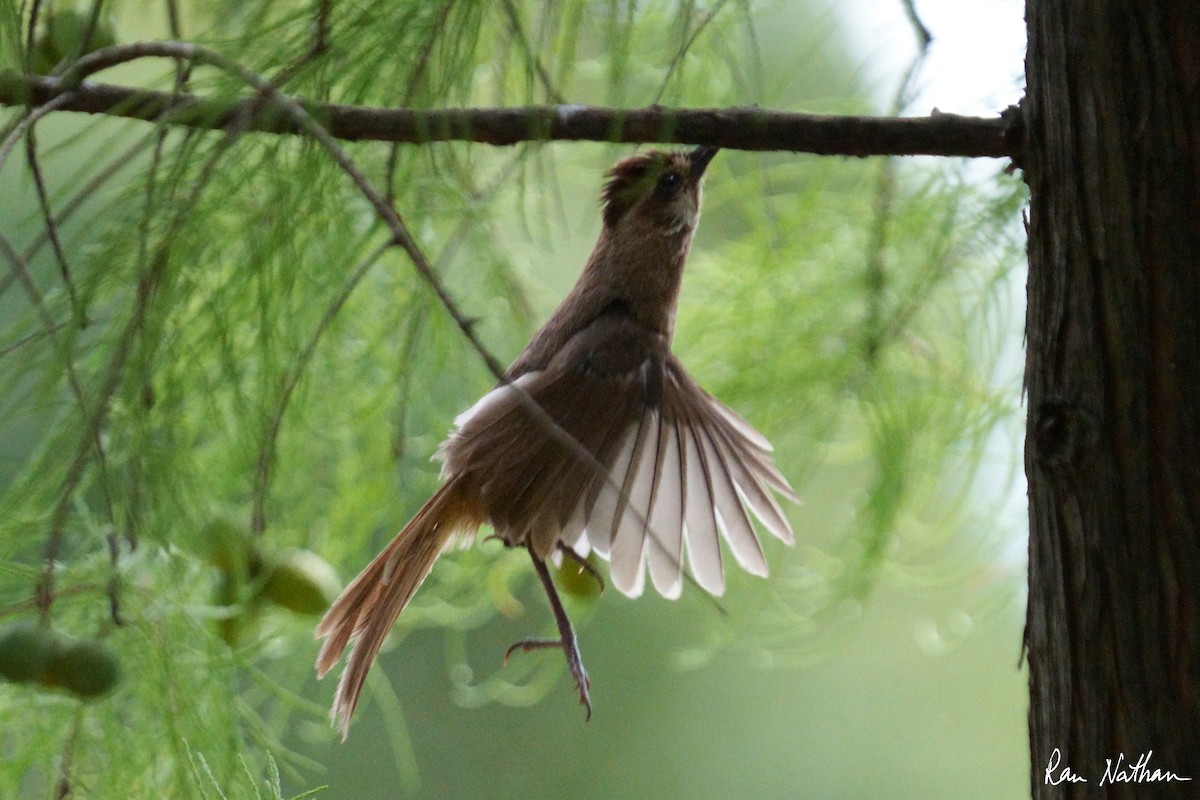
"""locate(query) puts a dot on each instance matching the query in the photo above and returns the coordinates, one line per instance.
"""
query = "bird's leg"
(566, 636)
(583, 563)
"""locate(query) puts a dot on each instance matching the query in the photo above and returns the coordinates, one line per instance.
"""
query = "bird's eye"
(669, 182)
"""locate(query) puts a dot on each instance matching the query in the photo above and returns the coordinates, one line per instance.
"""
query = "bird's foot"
(566, 637)
(574, 663)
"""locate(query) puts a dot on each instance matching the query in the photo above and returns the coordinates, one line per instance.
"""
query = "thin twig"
(21, 269)
(119, 162)
(317, 47)
(266, 452)
(18, 130)
(113, 590)
(183, 70)
(414, 80)
(418, 314)
(134, 512)
(531, 57)
(35, 11)
(924, 37)
(885, 197)
(62, 788)
(685, 46)
(83, 44)
(60, 256)
(29, 337)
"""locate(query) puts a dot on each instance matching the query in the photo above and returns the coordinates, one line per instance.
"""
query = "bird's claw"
(574, 663)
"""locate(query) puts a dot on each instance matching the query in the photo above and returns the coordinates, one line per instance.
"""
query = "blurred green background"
(891, 710)
(863, 314)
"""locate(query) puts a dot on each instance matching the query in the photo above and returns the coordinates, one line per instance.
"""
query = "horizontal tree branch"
(734, 128)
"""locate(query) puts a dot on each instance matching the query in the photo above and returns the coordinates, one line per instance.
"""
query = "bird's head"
(656, 190)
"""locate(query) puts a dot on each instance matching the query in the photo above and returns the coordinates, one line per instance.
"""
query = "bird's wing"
(653, 465)
(714, 474)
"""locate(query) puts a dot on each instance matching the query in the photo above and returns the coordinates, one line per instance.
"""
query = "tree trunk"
(1112, 449)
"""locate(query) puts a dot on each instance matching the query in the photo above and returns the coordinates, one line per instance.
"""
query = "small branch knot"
(1065, 437)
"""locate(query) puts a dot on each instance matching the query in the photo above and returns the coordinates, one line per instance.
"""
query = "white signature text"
(1117, 770)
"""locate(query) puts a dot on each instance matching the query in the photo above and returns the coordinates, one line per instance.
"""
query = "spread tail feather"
(369, 606)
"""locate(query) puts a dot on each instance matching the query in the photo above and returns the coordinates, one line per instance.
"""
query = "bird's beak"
(700, 158)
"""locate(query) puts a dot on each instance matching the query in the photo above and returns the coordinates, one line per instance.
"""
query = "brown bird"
(596, 439)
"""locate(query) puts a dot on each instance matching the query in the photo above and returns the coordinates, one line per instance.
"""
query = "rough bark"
(1113, 378)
